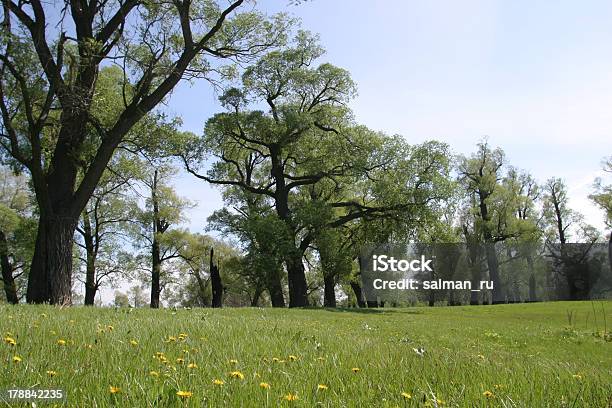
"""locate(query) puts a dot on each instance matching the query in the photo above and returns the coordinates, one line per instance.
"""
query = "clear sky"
(535, 77)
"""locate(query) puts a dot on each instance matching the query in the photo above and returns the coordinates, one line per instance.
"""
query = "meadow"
(521, 355)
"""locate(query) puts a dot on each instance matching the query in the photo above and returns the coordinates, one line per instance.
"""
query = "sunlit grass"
(508, 355)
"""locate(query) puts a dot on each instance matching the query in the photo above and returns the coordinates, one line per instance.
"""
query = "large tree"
(50, 59)
(305, 155)
(603, 198)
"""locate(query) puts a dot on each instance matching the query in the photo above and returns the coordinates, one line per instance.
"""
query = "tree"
(151, 229)
(603, 198)
(48, 85)
(16, 227)
(102, 224)
(121, 299)
(305, 156)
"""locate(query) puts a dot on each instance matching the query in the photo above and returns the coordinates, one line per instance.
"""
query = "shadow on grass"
(370, 310)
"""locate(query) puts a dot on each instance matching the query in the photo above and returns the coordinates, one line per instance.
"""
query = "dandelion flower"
(498, 386)
(406, 395)
(264, 385)
(184, 394)
(218, 382)
(290, 397)
(10, 341)
(133, 343)
(180, 360)
(233, 361)
(275, 360)
(110, 328)
(237, 374)
(114, 390)
(51, 373)
(153, 373)
(355, 369)
(61, 342)
(192, 365)
(488, 394)
(322, 387)
(292, 358)
(17, 359)
(577, 376)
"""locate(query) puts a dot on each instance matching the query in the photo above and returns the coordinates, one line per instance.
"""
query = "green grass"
(526, 355)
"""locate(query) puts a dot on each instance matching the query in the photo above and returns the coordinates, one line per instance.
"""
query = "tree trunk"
(532, 280)
(298, 289)
(256, 296)
(8, 281)
(329, 296)
(38, 280)
(215, 280)
(155, 274)
(50, 277)
(275, 288)
(358, 294)
(90, 257)
(610, 251)
(493, 265)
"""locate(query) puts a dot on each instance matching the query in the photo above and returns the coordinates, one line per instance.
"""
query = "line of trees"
(89, 196)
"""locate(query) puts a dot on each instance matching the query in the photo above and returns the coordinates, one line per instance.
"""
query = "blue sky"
(535, 77)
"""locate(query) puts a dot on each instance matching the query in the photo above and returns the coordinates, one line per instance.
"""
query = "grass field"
(523, 355)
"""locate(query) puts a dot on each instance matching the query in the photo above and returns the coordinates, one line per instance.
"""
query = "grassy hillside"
(524, 355)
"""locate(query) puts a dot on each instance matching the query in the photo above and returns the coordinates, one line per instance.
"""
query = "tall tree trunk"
(90, 258)
(50, 278)
(329, 295)
(256, 296)
(298, 289)
(155, 274)
(38, 279)
(8, 281)
(493, 266)
(215, 280)
(358, 294)
(532, 280)
(275, 288)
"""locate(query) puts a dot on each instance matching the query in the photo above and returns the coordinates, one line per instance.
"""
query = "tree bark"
(155, 274)
(215, 280)
(90, 262)
(298, 289)
(50, 277)
(275, 288)
(8, 280)
(358, 294)
(329, 295)
(532, 280)
(256, 296)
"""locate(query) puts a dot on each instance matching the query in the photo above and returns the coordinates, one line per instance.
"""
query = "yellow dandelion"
(355, 369)
(61, 342)
(17, 359)
(290, 397)
(184, 394)
(275, 360)
(439, 401)
(322, 387)
(133, 343)
(237, 374)
(51, 373)
(292, 358)
(498, 386)
(114, 390)
(90, 346)
(233, 361)
(180, 360)
(43, 315)
(577, 376)
(110, 328)
(153, 373)
(192, 365)
(218, 382)
(10, 341)
(488, 394)
(264, 385)
(171, 339)
(406, 395)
